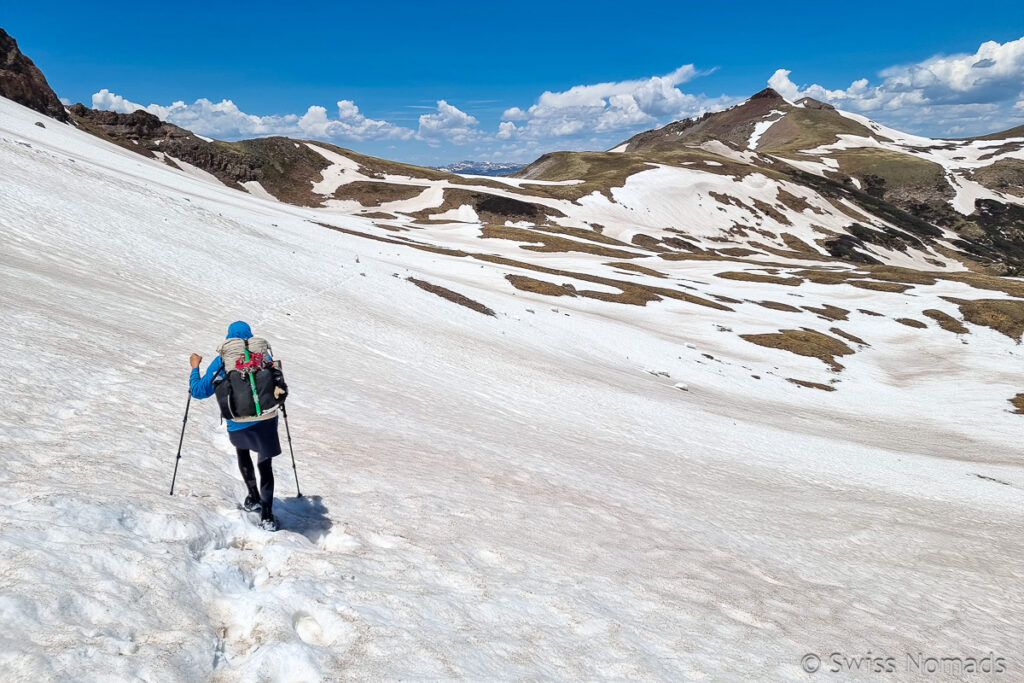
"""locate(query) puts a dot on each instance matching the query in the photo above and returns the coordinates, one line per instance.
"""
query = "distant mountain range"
(481, 168)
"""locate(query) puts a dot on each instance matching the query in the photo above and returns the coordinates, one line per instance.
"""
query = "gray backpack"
(246, 391)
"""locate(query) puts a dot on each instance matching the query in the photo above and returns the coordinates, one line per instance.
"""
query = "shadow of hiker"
(306, 516)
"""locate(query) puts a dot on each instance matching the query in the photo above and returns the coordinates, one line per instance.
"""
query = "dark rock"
(845, 247)
(766, 94)
(811, 103)
(23, 82)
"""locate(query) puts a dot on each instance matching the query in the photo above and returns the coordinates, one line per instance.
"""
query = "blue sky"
(434, 82)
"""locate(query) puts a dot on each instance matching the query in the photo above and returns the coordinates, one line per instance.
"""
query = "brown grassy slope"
(1005, 175)
(375, 193)
(1002, 315)
(804, 342)
(898, 178)
(806, 129)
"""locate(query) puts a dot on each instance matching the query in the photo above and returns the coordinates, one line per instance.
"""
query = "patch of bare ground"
(894, 287)
(798, 245)
(647, 242)
(811, 385)
(770, 211)
(786, 253)
(490, 207)
(529, 284)
(758, 277)
(736, 251)
(847, 336)
(1002, 315)
(375, 193)
(869, 276)
(829, 311)
(454, 297)
(1018, 403)
(798, 204)
(377, 168)
(777, 306)
(910, 322)
(580, 233)
(604, 171)
(946, 321)
(636, 268)
(804, 342)
(631, 292)
(867, 312)
(378, 214)
(542, 241)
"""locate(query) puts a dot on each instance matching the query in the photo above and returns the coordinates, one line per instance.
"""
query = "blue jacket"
(202, 387)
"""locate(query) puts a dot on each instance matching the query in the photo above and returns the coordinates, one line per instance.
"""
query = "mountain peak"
(767, 94)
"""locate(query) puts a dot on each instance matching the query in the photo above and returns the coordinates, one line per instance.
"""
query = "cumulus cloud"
(448, 124)
(225, 119)
(962, 88)
(608, 107)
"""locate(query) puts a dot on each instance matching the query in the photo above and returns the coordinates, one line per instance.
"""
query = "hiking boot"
(270, 523)
(252, 504)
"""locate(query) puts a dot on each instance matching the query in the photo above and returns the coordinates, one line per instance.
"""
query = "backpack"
(245, 393)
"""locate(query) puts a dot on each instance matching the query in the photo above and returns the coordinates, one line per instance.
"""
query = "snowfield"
(570, 489)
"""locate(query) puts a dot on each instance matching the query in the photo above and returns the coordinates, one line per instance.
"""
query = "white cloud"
(225, 119)
(449, 124)
(506, 130)
(350, 124)
(514, 114)
(608, 107)
(952, 90)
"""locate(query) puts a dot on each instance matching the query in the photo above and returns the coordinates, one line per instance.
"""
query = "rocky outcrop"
(139, 126)
(22, 81)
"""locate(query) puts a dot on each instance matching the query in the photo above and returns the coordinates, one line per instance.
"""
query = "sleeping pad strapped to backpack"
(246, 392)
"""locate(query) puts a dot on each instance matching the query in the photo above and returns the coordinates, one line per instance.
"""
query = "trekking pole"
(284, 411)
(180, 440)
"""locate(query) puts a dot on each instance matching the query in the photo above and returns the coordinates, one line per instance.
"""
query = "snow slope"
(529, 495)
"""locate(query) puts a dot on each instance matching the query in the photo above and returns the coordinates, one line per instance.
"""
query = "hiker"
(249, 393)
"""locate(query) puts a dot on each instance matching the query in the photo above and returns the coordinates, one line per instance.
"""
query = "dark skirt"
(260, 437)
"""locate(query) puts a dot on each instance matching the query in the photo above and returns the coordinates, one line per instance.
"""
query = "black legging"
(266, 488)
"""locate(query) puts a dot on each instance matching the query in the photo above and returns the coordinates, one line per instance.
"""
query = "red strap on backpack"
(254, 363)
